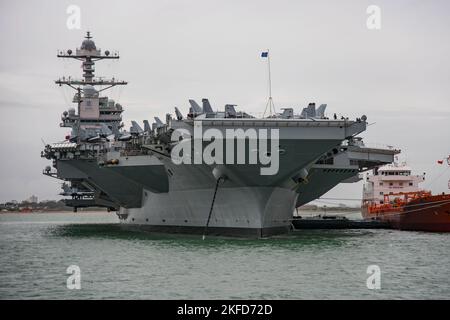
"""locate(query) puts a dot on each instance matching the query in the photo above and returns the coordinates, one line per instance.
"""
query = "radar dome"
(89, 91)
(88, 44)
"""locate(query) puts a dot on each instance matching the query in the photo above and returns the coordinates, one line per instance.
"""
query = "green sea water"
(36, 249)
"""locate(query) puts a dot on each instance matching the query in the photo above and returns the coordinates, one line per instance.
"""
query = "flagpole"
(270, 103)
(270, 79)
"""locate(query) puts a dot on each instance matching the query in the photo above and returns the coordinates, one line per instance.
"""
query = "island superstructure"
(134, 171)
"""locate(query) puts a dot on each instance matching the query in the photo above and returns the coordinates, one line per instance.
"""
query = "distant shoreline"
(53, 211)
(43, 206)
(331, 209)
(59, 206)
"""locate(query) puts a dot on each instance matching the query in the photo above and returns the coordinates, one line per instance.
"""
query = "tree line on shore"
(46, 205)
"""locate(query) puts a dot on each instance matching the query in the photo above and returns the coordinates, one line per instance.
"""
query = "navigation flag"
(264, 54)
(442, 161)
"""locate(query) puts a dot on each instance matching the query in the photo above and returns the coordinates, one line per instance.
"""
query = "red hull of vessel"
(427, 214)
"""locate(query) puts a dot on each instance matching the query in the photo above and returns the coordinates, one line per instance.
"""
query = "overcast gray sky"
(172, 51)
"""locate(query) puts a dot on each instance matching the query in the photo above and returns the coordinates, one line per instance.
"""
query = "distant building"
(32, 199)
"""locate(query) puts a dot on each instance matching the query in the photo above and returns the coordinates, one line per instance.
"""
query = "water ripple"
(115, 263)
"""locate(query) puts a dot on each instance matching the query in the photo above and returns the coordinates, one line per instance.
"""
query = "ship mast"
(87, 96)
(88, 54)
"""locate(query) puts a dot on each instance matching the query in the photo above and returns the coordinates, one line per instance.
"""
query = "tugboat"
(393, 195)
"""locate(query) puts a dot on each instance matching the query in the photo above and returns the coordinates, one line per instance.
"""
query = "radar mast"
(88, 54)
(97, 115)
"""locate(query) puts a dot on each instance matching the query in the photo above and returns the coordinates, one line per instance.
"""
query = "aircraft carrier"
(138, 174)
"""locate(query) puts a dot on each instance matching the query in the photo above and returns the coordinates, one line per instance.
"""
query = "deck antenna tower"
(88, 54)
(269, 105)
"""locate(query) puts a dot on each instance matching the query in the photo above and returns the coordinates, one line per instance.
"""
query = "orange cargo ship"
(393, 195)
